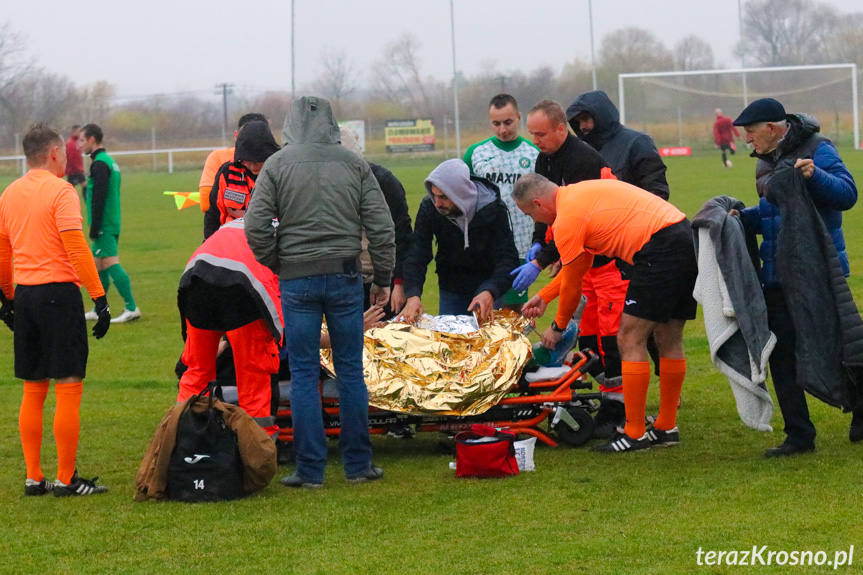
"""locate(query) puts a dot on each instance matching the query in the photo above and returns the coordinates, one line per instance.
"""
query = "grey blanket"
(735, 315)
(828, 327)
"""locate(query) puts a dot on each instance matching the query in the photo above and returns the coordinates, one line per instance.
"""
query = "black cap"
(763, 110)
(255, 143)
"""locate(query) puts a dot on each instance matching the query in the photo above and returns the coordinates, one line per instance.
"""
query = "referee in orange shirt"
(618, 220)
(42, 241)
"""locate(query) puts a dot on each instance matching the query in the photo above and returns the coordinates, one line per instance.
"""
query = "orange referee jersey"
(34, 210)
(609, 218)
(208, 176)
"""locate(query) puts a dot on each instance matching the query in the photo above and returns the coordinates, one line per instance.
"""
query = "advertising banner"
(409, 136)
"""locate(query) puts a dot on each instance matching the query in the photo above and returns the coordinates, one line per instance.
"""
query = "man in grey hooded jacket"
(475, 249)
(324, 196)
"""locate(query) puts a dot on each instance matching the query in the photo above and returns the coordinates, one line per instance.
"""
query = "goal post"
(680, 104)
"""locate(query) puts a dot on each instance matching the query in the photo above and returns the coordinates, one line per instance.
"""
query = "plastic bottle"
(555, 357)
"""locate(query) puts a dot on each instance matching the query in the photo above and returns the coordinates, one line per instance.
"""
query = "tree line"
(775, 33)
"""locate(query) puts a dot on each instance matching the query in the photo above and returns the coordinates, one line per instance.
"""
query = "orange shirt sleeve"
(6, 267)
(567, 285)
(79, 254)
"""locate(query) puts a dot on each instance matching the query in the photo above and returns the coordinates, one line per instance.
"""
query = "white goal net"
(677, 108)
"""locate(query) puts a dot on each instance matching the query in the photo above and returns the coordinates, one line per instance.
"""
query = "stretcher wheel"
(584, 428)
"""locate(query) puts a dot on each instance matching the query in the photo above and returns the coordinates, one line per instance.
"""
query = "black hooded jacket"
(573, 162)
(255, 143)
(631, 154)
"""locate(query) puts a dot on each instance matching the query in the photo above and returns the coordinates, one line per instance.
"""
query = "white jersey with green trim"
(503, 163)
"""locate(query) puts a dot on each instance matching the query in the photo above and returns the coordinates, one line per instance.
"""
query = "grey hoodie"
(452, 178)
(324, 197)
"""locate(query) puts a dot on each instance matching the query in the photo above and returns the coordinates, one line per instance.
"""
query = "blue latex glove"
(531, 253)
(527, 274)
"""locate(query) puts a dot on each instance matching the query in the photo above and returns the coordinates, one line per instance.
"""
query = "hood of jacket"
(606, 117)
(310, 120)
(255, 143)
(801, 127)
(469, 194)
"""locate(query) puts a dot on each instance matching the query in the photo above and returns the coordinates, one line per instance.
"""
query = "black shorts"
(663, 276)
(50, 332)
(76, 179)
(726, 148)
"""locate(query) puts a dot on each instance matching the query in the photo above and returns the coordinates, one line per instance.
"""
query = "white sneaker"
(127, 315)
(91, 316)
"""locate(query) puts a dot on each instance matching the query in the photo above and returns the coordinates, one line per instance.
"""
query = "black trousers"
(783, 371)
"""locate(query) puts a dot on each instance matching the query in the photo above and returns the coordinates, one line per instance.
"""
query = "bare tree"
(787, 32)
(634, 50)
(847, 44)
(94, 101)
(14, 62)
(693, 53)
(397, 76)
(337, 80)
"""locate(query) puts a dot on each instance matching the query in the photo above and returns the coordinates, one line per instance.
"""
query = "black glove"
(7, 312)
(104, 321)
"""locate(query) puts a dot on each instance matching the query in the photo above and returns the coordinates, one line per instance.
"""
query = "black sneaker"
(623, 442)
(78, 486)
(401, 431)
(373, 473)
(855, 432)
(659, 438)
(297, 480)
(610, 416)
(35, 488)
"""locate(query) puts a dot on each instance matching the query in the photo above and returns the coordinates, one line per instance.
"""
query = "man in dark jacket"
(235, 180)
(778, 140)
(633, 159)
(631, 154)
(394, 194)
(475, 249)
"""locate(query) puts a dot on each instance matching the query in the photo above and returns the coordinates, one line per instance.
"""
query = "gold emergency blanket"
(420, 371)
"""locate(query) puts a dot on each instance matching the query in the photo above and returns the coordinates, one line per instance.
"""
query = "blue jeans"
(338, 297)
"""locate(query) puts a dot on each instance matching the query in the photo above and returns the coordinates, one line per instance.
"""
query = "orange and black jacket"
(234, 180)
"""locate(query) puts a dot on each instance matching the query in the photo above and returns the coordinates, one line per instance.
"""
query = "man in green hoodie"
(324, 197)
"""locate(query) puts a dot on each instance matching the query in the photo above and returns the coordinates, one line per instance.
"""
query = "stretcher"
(555, 410)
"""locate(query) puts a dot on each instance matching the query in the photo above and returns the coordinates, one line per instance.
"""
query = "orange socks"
(636, 380)
(67, 425)
(30, 426)
(671, 374)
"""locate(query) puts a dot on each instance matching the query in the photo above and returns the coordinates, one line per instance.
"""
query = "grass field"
(579, 512)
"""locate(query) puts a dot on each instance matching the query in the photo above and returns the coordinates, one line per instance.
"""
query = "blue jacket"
(831, 188)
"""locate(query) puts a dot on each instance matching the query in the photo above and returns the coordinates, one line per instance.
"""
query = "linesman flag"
(185, 199)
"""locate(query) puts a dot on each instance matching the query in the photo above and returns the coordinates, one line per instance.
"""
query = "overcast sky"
(166, 46)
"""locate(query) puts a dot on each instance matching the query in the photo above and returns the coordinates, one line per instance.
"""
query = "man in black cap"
(229, 196)
(783, 141)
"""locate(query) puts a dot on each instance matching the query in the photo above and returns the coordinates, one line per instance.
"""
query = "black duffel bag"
(205, 464)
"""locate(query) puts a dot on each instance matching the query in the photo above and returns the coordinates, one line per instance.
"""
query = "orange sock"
(67, 426)
(671, 374)
(636, 380)
(30, 426)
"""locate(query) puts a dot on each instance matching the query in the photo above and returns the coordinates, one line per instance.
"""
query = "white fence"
(170, 151)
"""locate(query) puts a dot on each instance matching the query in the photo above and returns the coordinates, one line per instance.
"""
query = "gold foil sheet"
(420, 371)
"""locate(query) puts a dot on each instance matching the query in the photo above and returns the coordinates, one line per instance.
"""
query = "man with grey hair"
(324, 197)
(614, 219)
(782, 141)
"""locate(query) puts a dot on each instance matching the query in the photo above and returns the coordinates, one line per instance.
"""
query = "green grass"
(578, 513)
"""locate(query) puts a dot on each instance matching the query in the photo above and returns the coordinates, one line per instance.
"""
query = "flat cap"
(763, 110)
